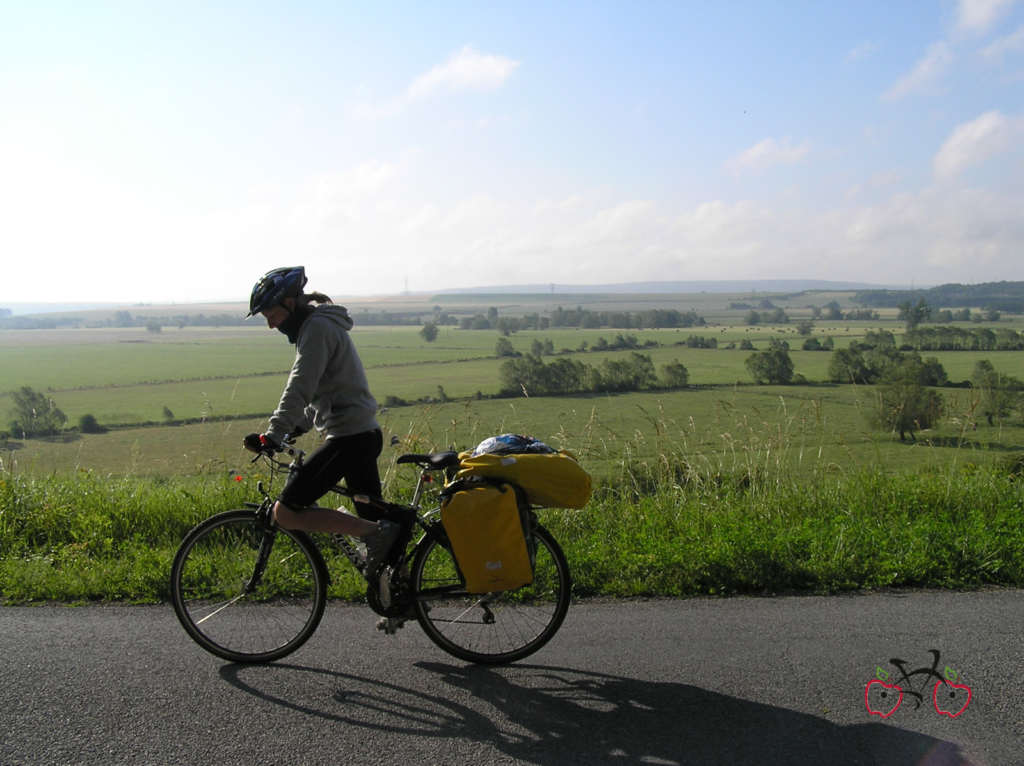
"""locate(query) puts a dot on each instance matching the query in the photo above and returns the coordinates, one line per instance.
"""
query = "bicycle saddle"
(435, 461)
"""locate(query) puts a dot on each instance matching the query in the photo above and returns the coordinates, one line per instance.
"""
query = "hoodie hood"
(337, 314)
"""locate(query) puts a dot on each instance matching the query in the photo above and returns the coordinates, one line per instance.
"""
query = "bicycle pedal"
(390, 625)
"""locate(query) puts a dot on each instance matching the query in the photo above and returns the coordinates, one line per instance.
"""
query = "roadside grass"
(84, 538)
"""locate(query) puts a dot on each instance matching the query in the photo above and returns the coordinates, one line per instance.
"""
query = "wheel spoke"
(221, 608)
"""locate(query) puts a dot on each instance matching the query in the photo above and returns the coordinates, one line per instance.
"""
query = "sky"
(174, 152)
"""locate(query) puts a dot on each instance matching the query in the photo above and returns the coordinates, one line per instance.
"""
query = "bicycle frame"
(413, 509)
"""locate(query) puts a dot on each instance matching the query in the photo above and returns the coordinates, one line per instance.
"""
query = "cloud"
(974, 142)
(766, 154)
(978, 15)
(935, 62)
(943, 234)
(466, 69)
(1008, 44)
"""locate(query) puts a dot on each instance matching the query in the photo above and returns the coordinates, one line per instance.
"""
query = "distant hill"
(696, 286)
(1001, 296)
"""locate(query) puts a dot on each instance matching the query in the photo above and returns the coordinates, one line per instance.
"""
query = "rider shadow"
(587, 717)
(553, 715)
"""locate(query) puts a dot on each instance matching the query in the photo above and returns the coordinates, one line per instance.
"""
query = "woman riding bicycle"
(327, 389)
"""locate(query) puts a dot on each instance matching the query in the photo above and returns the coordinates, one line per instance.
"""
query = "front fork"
(264, 514)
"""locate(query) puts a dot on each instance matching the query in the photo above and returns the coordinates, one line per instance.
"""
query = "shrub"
(87, 425)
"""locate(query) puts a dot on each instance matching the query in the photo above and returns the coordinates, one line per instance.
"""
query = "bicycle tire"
(209, 591)
(494, 628)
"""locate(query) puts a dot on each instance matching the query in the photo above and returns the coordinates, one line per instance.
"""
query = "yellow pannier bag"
(554, 479)
(485, 527)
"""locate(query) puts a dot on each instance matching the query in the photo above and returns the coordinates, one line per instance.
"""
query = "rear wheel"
(490, 628)
(246, 592)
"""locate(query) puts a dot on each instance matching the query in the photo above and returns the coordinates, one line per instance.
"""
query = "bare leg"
(323, 520)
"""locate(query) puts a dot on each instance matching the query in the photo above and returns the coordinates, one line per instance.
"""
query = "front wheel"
(247, 592)
(492, 628)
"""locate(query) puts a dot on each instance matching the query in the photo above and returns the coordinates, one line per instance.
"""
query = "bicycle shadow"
(554, 715)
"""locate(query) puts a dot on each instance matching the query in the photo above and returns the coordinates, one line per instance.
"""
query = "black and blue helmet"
(275, 286)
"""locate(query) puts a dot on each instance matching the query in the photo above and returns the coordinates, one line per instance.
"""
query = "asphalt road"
(702, 681)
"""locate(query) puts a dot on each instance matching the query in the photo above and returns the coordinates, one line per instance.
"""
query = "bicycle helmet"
(275, 286)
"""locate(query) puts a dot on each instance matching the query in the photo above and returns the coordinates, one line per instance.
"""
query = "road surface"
(693, 681)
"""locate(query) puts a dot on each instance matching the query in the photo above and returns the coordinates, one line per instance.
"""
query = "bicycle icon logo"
(949, 698)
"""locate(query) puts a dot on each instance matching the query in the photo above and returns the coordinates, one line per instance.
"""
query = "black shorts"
(352, 458)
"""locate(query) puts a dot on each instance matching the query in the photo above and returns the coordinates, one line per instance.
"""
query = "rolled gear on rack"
(549, 478)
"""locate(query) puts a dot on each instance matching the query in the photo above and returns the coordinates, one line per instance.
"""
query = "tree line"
(531, 376)
(583, 319)
(946, 338)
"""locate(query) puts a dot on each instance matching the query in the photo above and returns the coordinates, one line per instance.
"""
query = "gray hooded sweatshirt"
(327, 386)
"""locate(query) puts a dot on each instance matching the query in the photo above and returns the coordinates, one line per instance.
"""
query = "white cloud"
(767, 153)
(1010, 43)
(935, 62)
(974, 142)
(944, 234)
(466, 69)
(979, 15)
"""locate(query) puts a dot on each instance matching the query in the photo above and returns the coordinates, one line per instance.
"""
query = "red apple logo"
(889, 698)
(950, 699)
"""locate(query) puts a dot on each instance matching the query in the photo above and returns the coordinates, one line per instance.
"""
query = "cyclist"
(327, 389)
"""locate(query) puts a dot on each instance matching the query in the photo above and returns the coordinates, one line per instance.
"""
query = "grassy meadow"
(722, 487)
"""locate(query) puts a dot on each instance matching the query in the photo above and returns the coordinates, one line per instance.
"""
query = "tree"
(772, 366)
(996, 395)
(805, 327)
(912, 315)
(35, 414)
(904, 404)
(675, 374)
(631, 374)
(429, 332)
(849, 365)
(504, 347)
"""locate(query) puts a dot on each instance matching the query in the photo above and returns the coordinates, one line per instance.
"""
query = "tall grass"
(672, 518)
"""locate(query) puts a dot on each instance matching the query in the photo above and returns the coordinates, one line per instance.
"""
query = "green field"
(784, 430)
